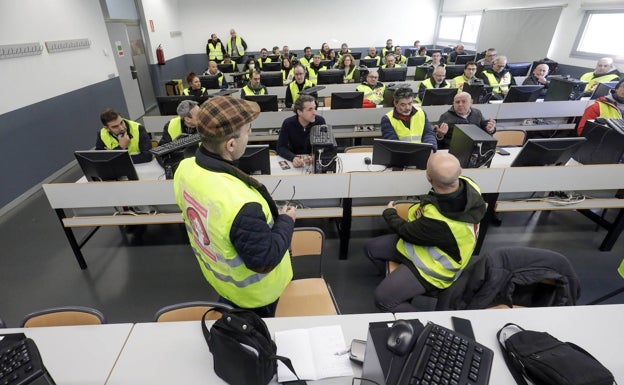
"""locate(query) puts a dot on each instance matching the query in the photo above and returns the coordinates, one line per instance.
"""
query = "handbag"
(544, 360)
(242, 349)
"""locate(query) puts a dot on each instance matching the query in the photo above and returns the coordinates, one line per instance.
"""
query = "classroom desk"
(79, 355)
(176, 352)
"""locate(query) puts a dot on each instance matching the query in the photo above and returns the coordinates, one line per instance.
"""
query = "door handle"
(133, 72)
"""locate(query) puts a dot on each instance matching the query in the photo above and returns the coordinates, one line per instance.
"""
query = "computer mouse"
(401, 337)
(367, 160)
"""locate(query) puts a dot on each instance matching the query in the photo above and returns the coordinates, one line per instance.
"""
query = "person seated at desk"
(294, 136)
(436, 61)
(253, 86)
(184, 123)
(331, 57)
(344, 49)
(608, 107)
(605, 72)
(288, 71)
(123, 134)
(372, 88)
(351, 72)
(195, 88)
(390, 61)
(306, 59)
(539, 76)
(458, 50)
(469, 76)
(372, 54)
(215, 48)
(324, 51)
(405, 122)
(387, 49)
(422, 52)
(213, 70)
(436, 80)
(286, 54)
(487, 61)
(264, 57)
(315, 67)
(239, 236)
(227, 59)
(461, 112)
(435, 244)
(295, 87)
(400, 59)
(498, 77)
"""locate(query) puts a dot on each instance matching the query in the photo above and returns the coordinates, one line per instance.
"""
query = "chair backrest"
(188, 311)
(358, 149)
(402, 207)
(64, 316)
(308, 241)
(510, 137)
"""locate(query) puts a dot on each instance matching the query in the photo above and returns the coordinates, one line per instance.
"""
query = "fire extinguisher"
(160, 55)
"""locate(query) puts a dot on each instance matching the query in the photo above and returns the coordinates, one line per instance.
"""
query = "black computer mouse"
(401, 338)
(367, 160)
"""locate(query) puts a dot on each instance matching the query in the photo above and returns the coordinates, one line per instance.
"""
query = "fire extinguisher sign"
(119, 48)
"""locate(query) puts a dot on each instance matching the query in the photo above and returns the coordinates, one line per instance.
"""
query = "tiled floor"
(129, 281)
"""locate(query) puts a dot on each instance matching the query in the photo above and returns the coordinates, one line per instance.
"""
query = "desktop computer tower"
(324, 149)
(473, 146)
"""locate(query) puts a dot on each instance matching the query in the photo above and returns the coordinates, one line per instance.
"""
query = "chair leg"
(607, 296)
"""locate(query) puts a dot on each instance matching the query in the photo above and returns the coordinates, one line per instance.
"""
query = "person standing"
(236, 46)
(215, 49)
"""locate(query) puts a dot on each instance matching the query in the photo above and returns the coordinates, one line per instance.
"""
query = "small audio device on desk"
(324, 148)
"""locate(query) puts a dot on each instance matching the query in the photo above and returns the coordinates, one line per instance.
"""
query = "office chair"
(605, 297)
(272, 153)
(307, 296)
(63, 316)
(402, 207)
(353, 149)
(510, 138)
(188, 311)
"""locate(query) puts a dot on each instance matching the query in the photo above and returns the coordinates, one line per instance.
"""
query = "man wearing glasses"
(487, 61)
(372, 88)
(295, 87)
(405, 122)
(123, 134)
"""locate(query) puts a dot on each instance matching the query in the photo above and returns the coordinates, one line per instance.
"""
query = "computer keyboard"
(447, 357)
(179, 144)
(322, 136)
(20, 362)
(616, 124)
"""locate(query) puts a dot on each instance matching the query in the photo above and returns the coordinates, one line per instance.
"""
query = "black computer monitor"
(356, 55)
(369, 63)
(397, 74)
(210, 82)
(603, 89)
(438, 96)
(453, 71)
(226, 67)
(398, 154)
(604, 145)
(256, 160)
(519, 69)
(463, 59)
(274, 57)
(422, 72)
(561, 88)
(333, 76)
(414, 61)
(547, 152)
(271, 66)
(410, 52)
(106, 165)
(478, 91)
(272, 78)
(325, 63)
(431, 51)
(168, 105)
(266, 102)
(523, 93)
(346, 100)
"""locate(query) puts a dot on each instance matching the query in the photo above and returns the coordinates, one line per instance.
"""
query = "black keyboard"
(616, 124)
(20, 362)
(322, 136)
(447, 357)
(180, 143)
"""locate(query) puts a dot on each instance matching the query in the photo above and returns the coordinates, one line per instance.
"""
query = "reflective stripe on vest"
(375, 95)
(591, 80)
(415, 130)
(187, 92)
(497, 87)
(110, 142)
(209, 209)
(607, 111)
(294, 89)
(216, 52)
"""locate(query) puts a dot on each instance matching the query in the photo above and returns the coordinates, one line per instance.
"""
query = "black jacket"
(451, 118)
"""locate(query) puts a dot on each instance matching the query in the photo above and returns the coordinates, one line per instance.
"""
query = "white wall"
(297, 23)
(28, 80)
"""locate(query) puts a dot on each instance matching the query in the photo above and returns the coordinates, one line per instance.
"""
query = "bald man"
(605, 72)
(461, 112)
(435, 243)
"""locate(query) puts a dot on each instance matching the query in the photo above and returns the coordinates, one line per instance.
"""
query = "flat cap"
(222, 115)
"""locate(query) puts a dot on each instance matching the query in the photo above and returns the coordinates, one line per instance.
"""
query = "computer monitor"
(106, 165)
(397, 74)
(414, 61)
(168, 105)
(369, 63)
(274, 57)
(523, 93)
(422, 72)
(519, 69)
(226, 68)
(604, 145)
(272, 78)
(271, 66)
(438, 96)
(398, 154)
(333, 76)
(325, 63)
(431, 51)
(453, 71)
(603, 89)
(547, 152)
(256, 160)
(561, 88)
(478, 91)
(356, 55)
(266, 102)
(210, 82)
(463, 59)
(410, 52)
(346, 100)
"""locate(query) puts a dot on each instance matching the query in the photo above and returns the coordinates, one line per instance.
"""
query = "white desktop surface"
(597, 329)
(176, 352)
(78, 355)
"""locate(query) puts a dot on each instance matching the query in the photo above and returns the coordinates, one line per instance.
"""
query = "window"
(458, 29)
(601, 35)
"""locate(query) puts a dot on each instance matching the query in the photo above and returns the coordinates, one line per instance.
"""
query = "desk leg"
(345, 227)
(490, 199)
(69, 233)
(613, 232)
